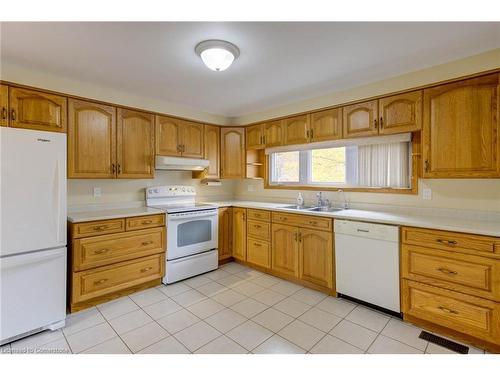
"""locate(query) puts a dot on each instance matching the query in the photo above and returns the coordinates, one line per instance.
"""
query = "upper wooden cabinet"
(168, 136)
(461, 134)
(4, 105)
(37, 110)
(212, 151)
(360, 120)
(91, 140)
(400, 113)
(135, 144)
(273, 133)
(239, 233)
(296, 129)
(176, 137)
(232, 152)
(326, 125)
(255, 137)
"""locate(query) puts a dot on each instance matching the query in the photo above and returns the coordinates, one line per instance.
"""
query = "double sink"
(313, 209)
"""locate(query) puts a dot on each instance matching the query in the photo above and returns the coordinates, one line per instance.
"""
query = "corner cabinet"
(30, 109)
(135, 144)
(460, 133)
(211, 153)
(225, 233)
(106, 142)
(255, 137)
(239, 233)
(91, 140)
(232, 152)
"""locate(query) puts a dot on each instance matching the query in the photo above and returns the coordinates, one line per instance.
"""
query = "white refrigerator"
(32, 232)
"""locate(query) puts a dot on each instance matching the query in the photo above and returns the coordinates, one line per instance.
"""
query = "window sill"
(413, 190)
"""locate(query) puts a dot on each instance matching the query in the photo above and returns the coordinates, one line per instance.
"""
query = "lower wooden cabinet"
(316, 257)
(225, 233)
(111, 258)
(258, 252)
(239, 233)
(259, 238)
(285, 250)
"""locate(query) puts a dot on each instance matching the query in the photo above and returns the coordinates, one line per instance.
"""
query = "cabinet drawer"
(259, 253)
(112, 248)
(142, 222)
(472, 274)
(259, 229)
(259, 215)
(460, 312)
(104, 280)
(96, 228)
(460, 242)
(303, 221)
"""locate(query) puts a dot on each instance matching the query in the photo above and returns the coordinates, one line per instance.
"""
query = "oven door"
(191, 233)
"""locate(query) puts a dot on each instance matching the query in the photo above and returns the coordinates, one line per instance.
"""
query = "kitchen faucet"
(322, 202)
(346, 205)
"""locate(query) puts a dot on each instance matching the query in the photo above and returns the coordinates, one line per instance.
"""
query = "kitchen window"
(363, 164)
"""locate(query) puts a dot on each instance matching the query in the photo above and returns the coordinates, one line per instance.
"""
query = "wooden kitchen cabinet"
(176, 137)
(255, 137)
(30, 109)
(326, 125)
(225, 233)
(284, 251)
(211, 153)
(461, 137)
(259, 238)
(135, 144)
(316, 257)
(400, 113)
(360, 120)
(239, 233)
(91, 140)
(232, 152)
(296, 129)
(273, 133)
(4, 105)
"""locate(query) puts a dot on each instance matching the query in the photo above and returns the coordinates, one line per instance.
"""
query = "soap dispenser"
(300, 200)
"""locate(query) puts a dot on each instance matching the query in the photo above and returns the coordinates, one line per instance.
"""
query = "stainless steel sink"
(302, 208)
(314, 209)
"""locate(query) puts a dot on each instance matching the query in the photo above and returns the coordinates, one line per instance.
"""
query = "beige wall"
(80, 192)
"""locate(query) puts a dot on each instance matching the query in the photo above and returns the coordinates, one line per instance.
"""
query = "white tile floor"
(232, 310)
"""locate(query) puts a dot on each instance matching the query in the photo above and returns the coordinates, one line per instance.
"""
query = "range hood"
(172, 163)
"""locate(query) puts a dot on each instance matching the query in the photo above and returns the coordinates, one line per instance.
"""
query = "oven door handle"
(172, 217)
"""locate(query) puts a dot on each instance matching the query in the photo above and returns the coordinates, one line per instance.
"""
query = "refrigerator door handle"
(31, 258)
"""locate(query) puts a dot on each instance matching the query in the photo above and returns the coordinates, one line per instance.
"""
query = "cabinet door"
(400, 113)
(225, 232)
(91, 140)
(212, 151)
(316, 257)
(326, 125)
(460, 134)
(273, 133)
(360, 120)
(168, 136)
(240, 233)
(36, 110)
(4, 105)
(232, 152)
(192, 140)
(284, 249)
(296, 129)
(135, 147)
(255, 137)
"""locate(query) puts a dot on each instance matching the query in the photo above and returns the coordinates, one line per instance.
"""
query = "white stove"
(192, 231)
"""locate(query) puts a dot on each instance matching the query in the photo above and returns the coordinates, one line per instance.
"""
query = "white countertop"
(112, 213)
(456, 224)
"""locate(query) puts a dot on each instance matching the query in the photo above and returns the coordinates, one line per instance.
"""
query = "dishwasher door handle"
(363, 230)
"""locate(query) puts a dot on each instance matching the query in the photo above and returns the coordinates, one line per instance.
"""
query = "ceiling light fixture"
(217, 55)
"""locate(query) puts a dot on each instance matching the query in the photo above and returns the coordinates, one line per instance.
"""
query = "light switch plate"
(427, 194)
(97, 192)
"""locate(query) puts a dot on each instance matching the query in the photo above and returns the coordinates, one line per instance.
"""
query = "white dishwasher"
(367, 262)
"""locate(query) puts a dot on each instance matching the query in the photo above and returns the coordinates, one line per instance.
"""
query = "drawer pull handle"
(100, 227)
(447, 310)
(257, 226)
(363, 230)
(145, 222)
(257, 244)
(101, 251)
(146, 269)
(447, 271)
(100, 282)
(312, 222)
(145, 243)
(447, 242)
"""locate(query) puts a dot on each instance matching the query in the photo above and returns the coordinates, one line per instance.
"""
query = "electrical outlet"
(427, 194)
(97, 192)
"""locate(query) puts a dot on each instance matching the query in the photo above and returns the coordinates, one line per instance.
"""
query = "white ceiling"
(279, 63)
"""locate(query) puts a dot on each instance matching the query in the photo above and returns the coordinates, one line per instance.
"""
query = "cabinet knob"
(381, 122)
(113, 168)
(119, 169)
(13, 114)
(426, 165)
(4, 113)
(375, 123)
